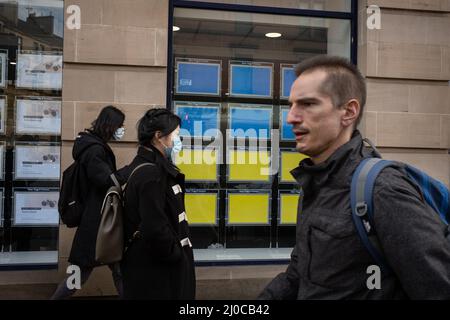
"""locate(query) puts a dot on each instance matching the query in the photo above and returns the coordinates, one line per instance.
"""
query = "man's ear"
(351, 113)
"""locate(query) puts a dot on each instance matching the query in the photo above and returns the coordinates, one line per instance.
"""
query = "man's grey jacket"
(329, 260)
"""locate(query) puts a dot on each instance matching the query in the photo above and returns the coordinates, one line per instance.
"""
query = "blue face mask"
(177, 146)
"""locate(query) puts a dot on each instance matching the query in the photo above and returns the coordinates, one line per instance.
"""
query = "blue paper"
(251, 80)
(197, 120)
(197, 78)
(289, 77)
(286, 128)
(251, 119)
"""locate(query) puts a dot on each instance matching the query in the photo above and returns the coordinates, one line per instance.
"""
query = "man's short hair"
(344, 81)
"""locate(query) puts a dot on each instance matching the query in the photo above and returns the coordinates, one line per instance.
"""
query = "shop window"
(31, 44)
(232, 73)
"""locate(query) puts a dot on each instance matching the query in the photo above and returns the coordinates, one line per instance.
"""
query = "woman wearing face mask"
(96, 157)
(158, 263)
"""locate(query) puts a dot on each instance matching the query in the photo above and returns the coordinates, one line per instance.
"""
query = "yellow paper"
(288, 208)
(197, 164)
(251, 209)
(249, 165)
(201, 208)
(289, 161)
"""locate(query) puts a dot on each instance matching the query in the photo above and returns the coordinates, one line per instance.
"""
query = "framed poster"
(3, 114)
(38, 116)
(287, 79)
(35, 208)
(251, 79)
(3, 68)
(289, 160)
(199, 164)
(198, 77)
(37, 162)
(202, 208)
(250, 121)
(287, 209)
(2, 216)
(39, 70)
(249, 166)
(248, 208)
(198, 119)
(2, 160)
(286, 129)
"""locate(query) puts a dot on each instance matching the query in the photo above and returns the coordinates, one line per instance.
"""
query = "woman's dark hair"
(107, 122)
(156, 120)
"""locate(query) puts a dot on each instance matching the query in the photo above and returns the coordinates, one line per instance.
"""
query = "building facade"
(138, 54)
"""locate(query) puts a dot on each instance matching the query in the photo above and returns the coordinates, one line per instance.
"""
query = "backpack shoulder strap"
(361, 198)
(114, 179)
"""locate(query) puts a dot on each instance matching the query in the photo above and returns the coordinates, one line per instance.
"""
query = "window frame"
(351, 16)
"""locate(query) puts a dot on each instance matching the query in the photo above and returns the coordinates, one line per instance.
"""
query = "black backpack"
(70, 203)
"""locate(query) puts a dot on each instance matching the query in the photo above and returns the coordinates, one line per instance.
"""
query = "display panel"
(202, 208)
(38, 116)
(36, 208)
(37, 162)
(198, 77)
(250, 121)
(289, 161)
(248, 208)
(288, 208)
(198, 164)
(2, 215)
(198, 119)
(2, 114)
(2, 160)
(3, 68)
(249, 165)
(286, 129)
(39, 70)
(287, 79)
(251, 79)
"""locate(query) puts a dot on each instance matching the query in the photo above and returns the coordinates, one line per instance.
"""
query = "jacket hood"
(83, 141)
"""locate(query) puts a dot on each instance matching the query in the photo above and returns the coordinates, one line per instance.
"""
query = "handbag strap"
(114, 179)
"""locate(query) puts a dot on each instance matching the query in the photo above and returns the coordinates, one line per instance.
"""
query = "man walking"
(329, 261)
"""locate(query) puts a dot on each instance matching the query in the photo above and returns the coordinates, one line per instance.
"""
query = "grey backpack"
(110, 244)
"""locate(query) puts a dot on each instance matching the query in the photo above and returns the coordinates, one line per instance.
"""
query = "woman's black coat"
(98, 162)
(159, 263)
